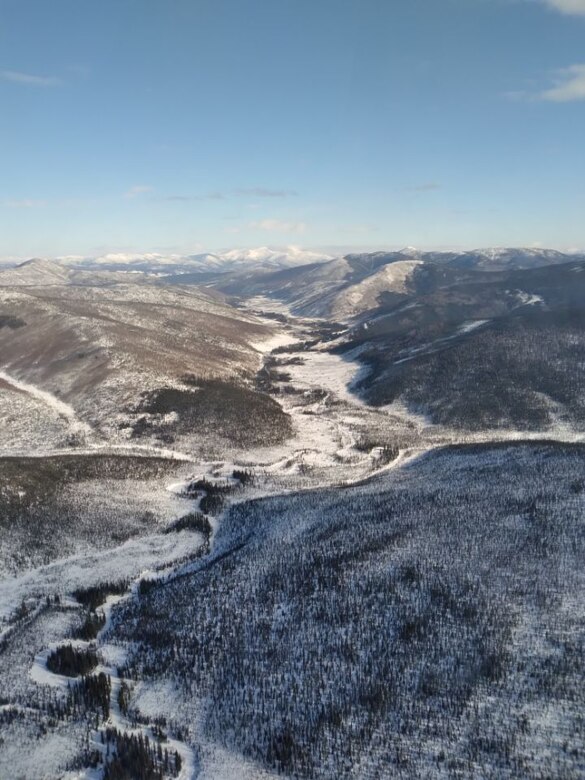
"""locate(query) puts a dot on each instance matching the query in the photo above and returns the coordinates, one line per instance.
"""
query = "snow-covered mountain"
(363, 296)
(280, 257)
(35, 272)
(89, 353)
(501, 258)
(224, 261)
(252, 265)
(350, 286)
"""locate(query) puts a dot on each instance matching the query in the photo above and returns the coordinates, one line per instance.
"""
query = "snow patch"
(467, 327)
(61, 408)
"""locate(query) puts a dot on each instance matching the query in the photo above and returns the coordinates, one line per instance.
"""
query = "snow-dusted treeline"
(427, 623)
(522, 373)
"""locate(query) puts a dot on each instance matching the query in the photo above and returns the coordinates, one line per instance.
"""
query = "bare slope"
(100, 350)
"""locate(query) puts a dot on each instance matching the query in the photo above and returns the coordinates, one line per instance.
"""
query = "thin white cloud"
(264, 192)
(17, 77)
(570, 85)
(138, 189)
(571, 7)
(192, 198)
(241, 192)
(427, 186)
(24, 203)
(278, 226)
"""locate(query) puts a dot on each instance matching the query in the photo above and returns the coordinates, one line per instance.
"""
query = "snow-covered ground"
(273, 342)
(337, 440)
(528, 299)
(321, 452)
(154, 699)
(62, 409)
(92, 569)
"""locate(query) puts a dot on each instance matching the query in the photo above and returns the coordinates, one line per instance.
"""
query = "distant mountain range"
(347, 287)
(286, 268)
(206, 262)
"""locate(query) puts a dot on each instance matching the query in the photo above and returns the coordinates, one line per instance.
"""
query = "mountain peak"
(39, 262)
(36, 271)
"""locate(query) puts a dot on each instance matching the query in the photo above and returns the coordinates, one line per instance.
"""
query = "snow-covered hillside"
(364, 295)
(101, 351)
(36, 272)
(218, 559)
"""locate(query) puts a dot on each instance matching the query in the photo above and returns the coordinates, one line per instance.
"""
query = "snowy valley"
(318, 521)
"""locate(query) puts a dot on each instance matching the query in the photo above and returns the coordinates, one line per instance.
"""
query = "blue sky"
(180, 125)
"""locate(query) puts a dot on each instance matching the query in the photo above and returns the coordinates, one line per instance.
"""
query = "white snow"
(528, 299)
(470, 325)
(61, 408)
(328, 372)
(273, 342)
(364, 295)
(217, 762)
(82, 571)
